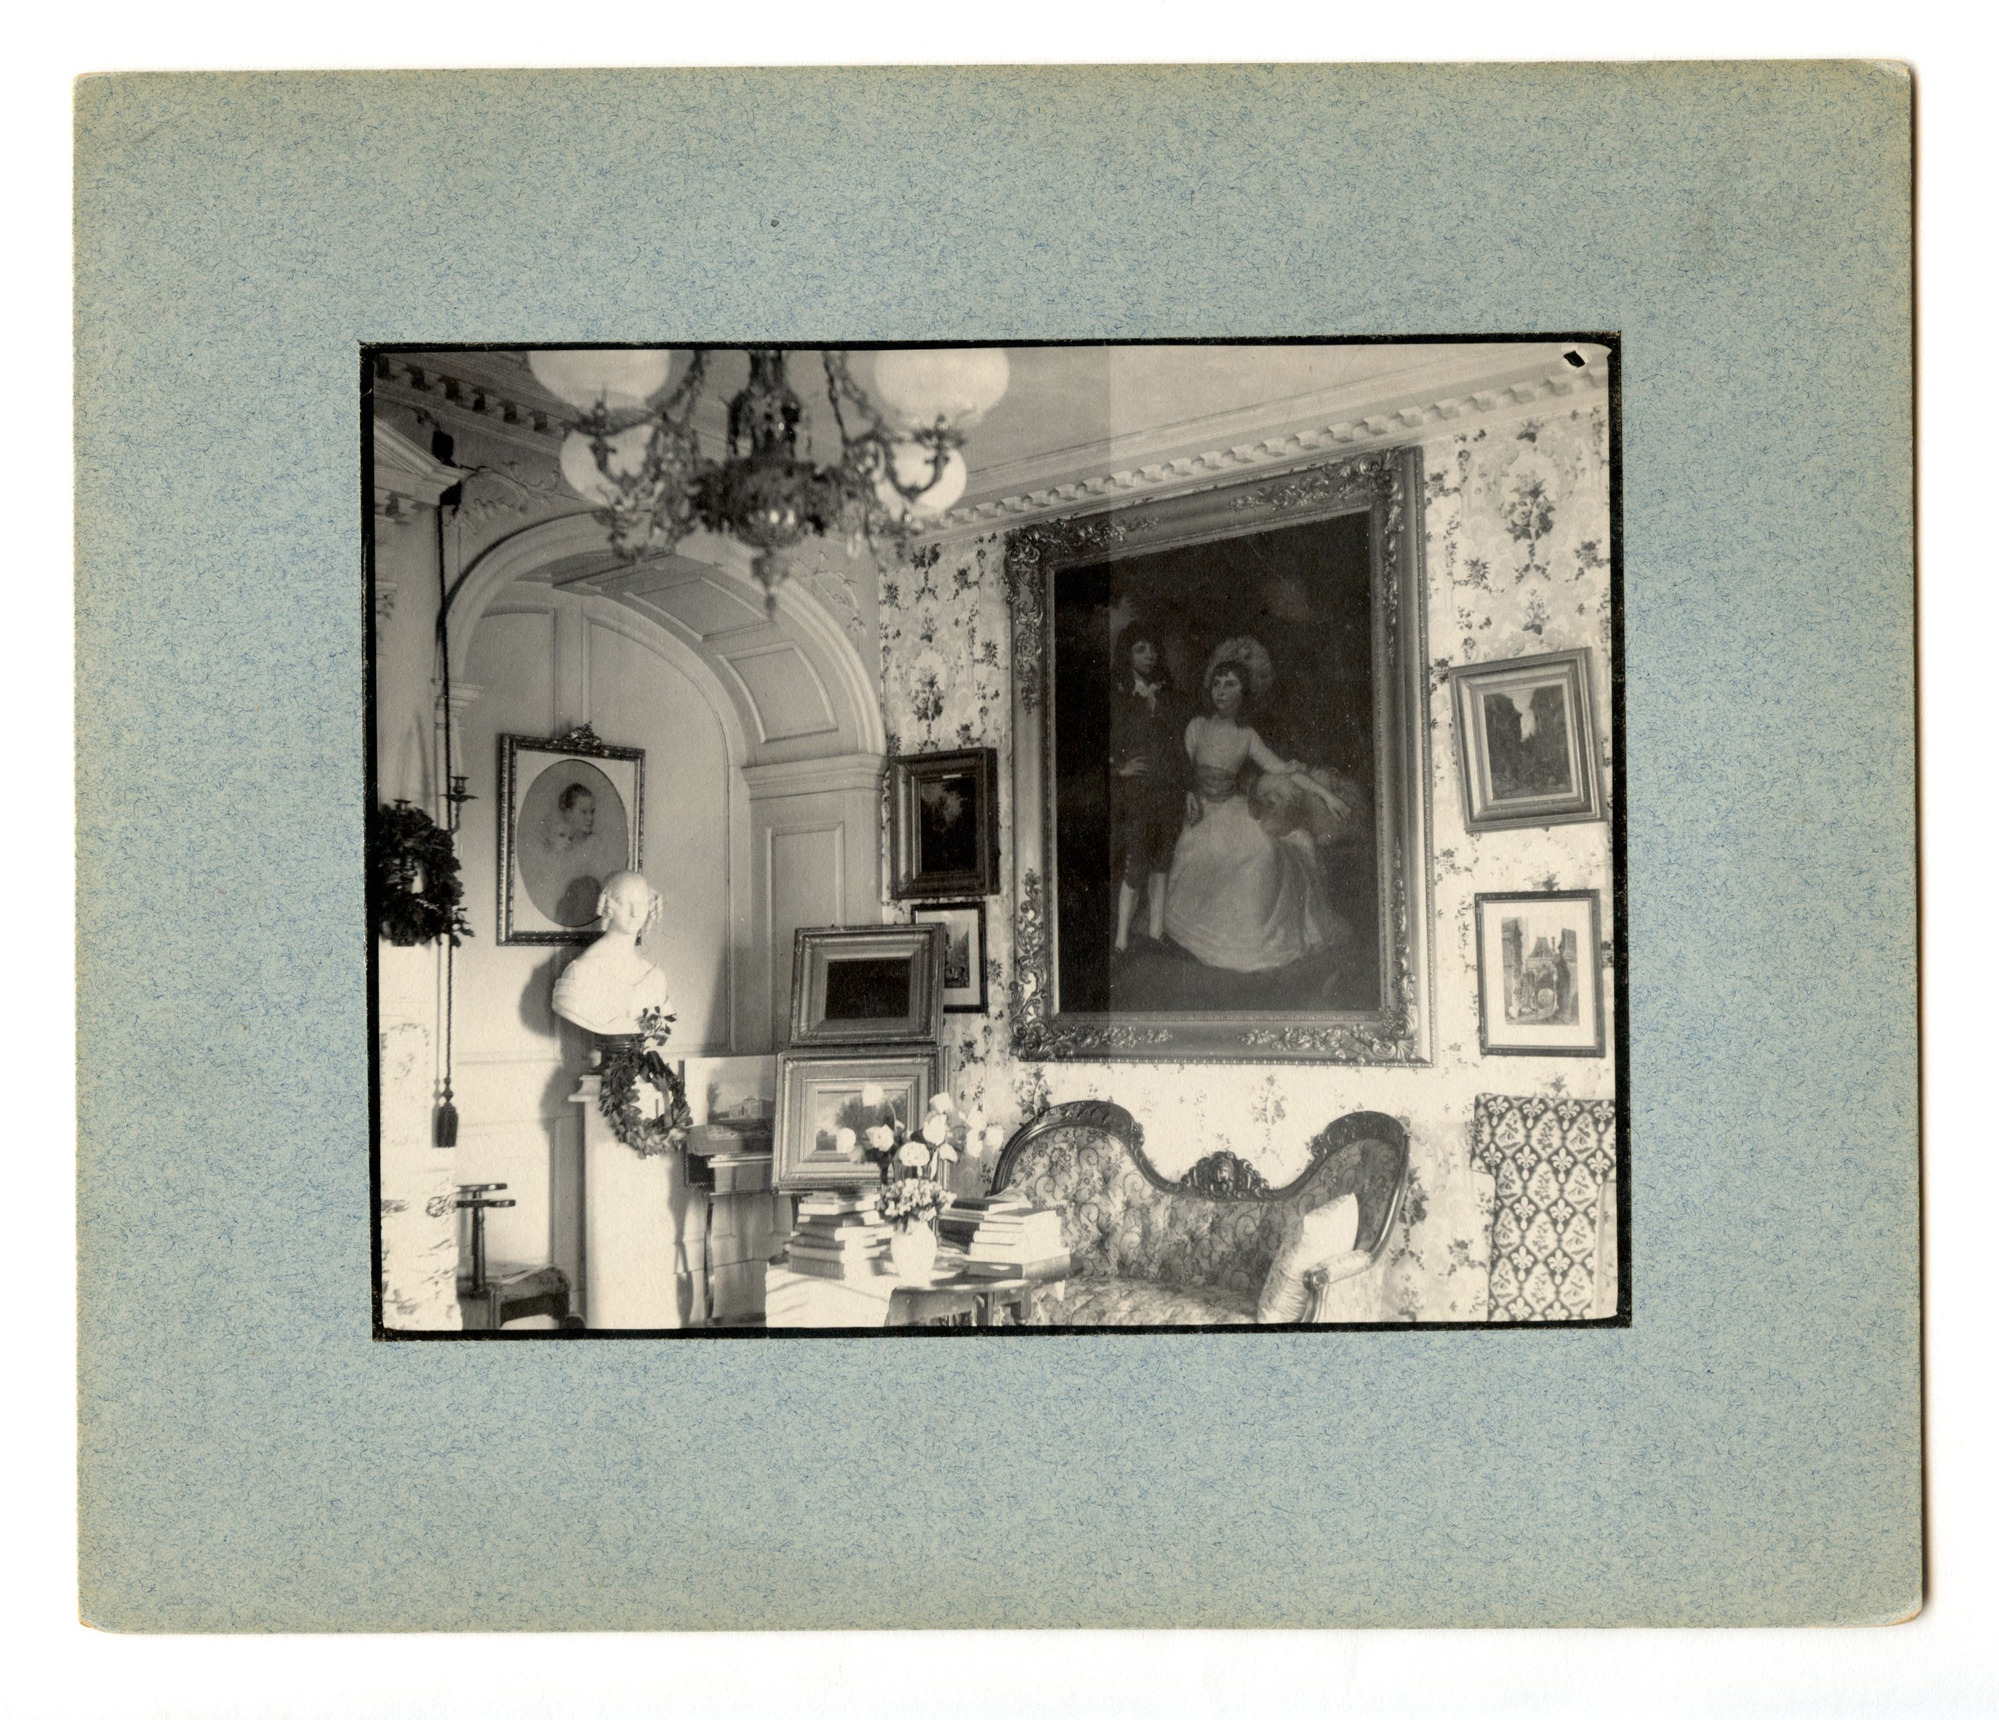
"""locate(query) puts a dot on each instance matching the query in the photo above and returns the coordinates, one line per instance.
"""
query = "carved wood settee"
(1147, 1251)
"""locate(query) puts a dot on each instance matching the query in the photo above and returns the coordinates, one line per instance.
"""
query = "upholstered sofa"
(1149, 1251)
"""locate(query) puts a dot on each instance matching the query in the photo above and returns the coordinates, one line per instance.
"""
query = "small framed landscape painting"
(1540, 979)
(866, 985)
(964, 926)
(1527, 744)
(825, 1105)
(945, 816)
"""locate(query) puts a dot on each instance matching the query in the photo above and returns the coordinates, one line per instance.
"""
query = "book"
(1055, 1265)
(831, 1269)
(836, 1251)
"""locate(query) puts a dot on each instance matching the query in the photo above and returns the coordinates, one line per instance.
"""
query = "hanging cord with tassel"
(445, 1128)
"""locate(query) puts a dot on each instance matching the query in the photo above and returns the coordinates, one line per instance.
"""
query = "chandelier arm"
(690, 384)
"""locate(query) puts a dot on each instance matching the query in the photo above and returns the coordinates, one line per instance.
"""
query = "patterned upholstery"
(1134, 1302)
(1145, 1251)
(1550, 1160)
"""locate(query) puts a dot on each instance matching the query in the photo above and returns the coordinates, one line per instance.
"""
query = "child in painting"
(1145, 782)
(1245, 890)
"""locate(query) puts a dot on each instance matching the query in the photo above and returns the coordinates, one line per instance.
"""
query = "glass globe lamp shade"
(957, 386)
(582, 474)
(618, 379)
(913, 465)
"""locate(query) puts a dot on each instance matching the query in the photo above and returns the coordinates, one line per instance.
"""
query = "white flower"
(948, 1154)
(843, 1140)
(941, 1103)
(995, 1138)
(871, 1095)
(914, 1153)
(935, 1130)
(881, 1137)
(975, 1122)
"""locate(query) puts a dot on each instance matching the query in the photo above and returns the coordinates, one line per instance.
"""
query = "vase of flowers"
(911, 1206)
(913, 1162)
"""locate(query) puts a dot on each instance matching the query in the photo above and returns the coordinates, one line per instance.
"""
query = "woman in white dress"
(1238, 895)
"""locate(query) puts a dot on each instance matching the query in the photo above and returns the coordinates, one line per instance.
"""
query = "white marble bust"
(611, 983)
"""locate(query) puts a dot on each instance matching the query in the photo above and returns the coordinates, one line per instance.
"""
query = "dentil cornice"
(1193, 455)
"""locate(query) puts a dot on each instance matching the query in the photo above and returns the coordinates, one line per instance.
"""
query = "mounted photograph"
(992, 842)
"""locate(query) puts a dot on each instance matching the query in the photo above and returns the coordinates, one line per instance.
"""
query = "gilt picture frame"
(866, 985)
(572, 812)
(1313, 580)
(820, 1095)
(944, 824)
(1527, 741)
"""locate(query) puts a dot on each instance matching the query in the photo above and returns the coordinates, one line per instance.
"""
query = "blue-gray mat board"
(1746, 1451)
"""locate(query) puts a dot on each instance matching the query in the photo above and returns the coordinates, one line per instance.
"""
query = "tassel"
(446, 1123)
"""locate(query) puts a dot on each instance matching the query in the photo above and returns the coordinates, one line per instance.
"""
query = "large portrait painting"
(569, 818)
(1222, 844)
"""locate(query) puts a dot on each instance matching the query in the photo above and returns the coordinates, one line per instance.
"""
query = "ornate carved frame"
(1388, 485)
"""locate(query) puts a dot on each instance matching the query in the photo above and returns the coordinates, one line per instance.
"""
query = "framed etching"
(1221, 837)
(571, 811)
(964, 925)
(945, 823)
(825, 1103)
(1540, 976)
(866, 985)
(1527, 743)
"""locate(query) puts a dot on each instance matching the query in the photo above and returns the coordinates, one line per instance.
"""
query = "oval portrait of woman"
(574, 833)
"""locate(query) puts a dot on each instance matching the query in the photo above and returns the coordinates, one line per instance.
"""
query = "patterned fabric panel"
(1550, 1159)
(1115, 1224)
(1133, 1302)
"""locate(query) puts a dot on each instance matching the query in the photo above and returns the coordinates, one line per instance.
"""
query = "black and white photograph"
(1038, 761)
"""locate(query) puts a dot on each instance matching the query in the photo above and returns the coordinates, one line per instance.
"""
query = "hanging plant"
(413, 874)
(631, 1058)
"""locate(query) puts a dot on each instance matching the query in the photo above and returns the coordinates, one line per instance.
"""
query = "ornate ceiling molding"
(406, 477)
(467, 391)
(1360, 432)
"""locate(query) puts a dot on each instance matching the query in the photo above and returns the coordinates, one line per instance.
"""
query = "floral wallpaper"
(1517, 550)
(419, 1189)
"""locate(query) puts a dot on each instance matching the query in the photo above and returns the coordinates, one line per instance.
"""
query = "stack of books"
(1004, 1236)
(838, 1236)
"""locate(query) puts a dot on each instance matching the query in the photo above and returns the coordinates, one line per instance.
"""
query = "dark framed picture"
(1540, 978)
(1527, 743)
(571, 810)
(945, 819)
(826, 1104)
(1220, 814)
(964, 925)
(866, 985)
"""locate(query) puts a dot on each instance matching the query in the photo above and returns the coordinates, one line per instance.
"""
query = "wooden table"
(798, 1300)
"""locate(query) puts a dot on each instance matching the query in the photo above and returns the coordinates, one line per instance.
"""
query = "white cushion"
(1325, 1234)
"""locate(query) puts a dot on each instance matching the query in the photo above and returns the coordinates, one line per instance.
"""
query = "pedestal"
(643, 1262)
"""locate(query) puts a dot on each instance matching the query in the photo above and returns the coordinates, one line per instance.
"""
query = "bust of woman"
(610, 984)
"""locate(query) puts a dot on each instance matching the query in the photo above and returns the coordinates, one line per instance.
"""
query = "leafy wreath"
(413, 869)
(630, 1058)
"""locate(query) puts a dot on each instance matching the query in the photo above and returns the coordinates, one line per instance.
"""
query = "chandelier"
(633, 451)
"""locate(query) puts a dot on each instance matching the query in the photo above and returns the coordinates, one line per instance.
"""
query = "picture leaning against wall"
(1227, 732)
